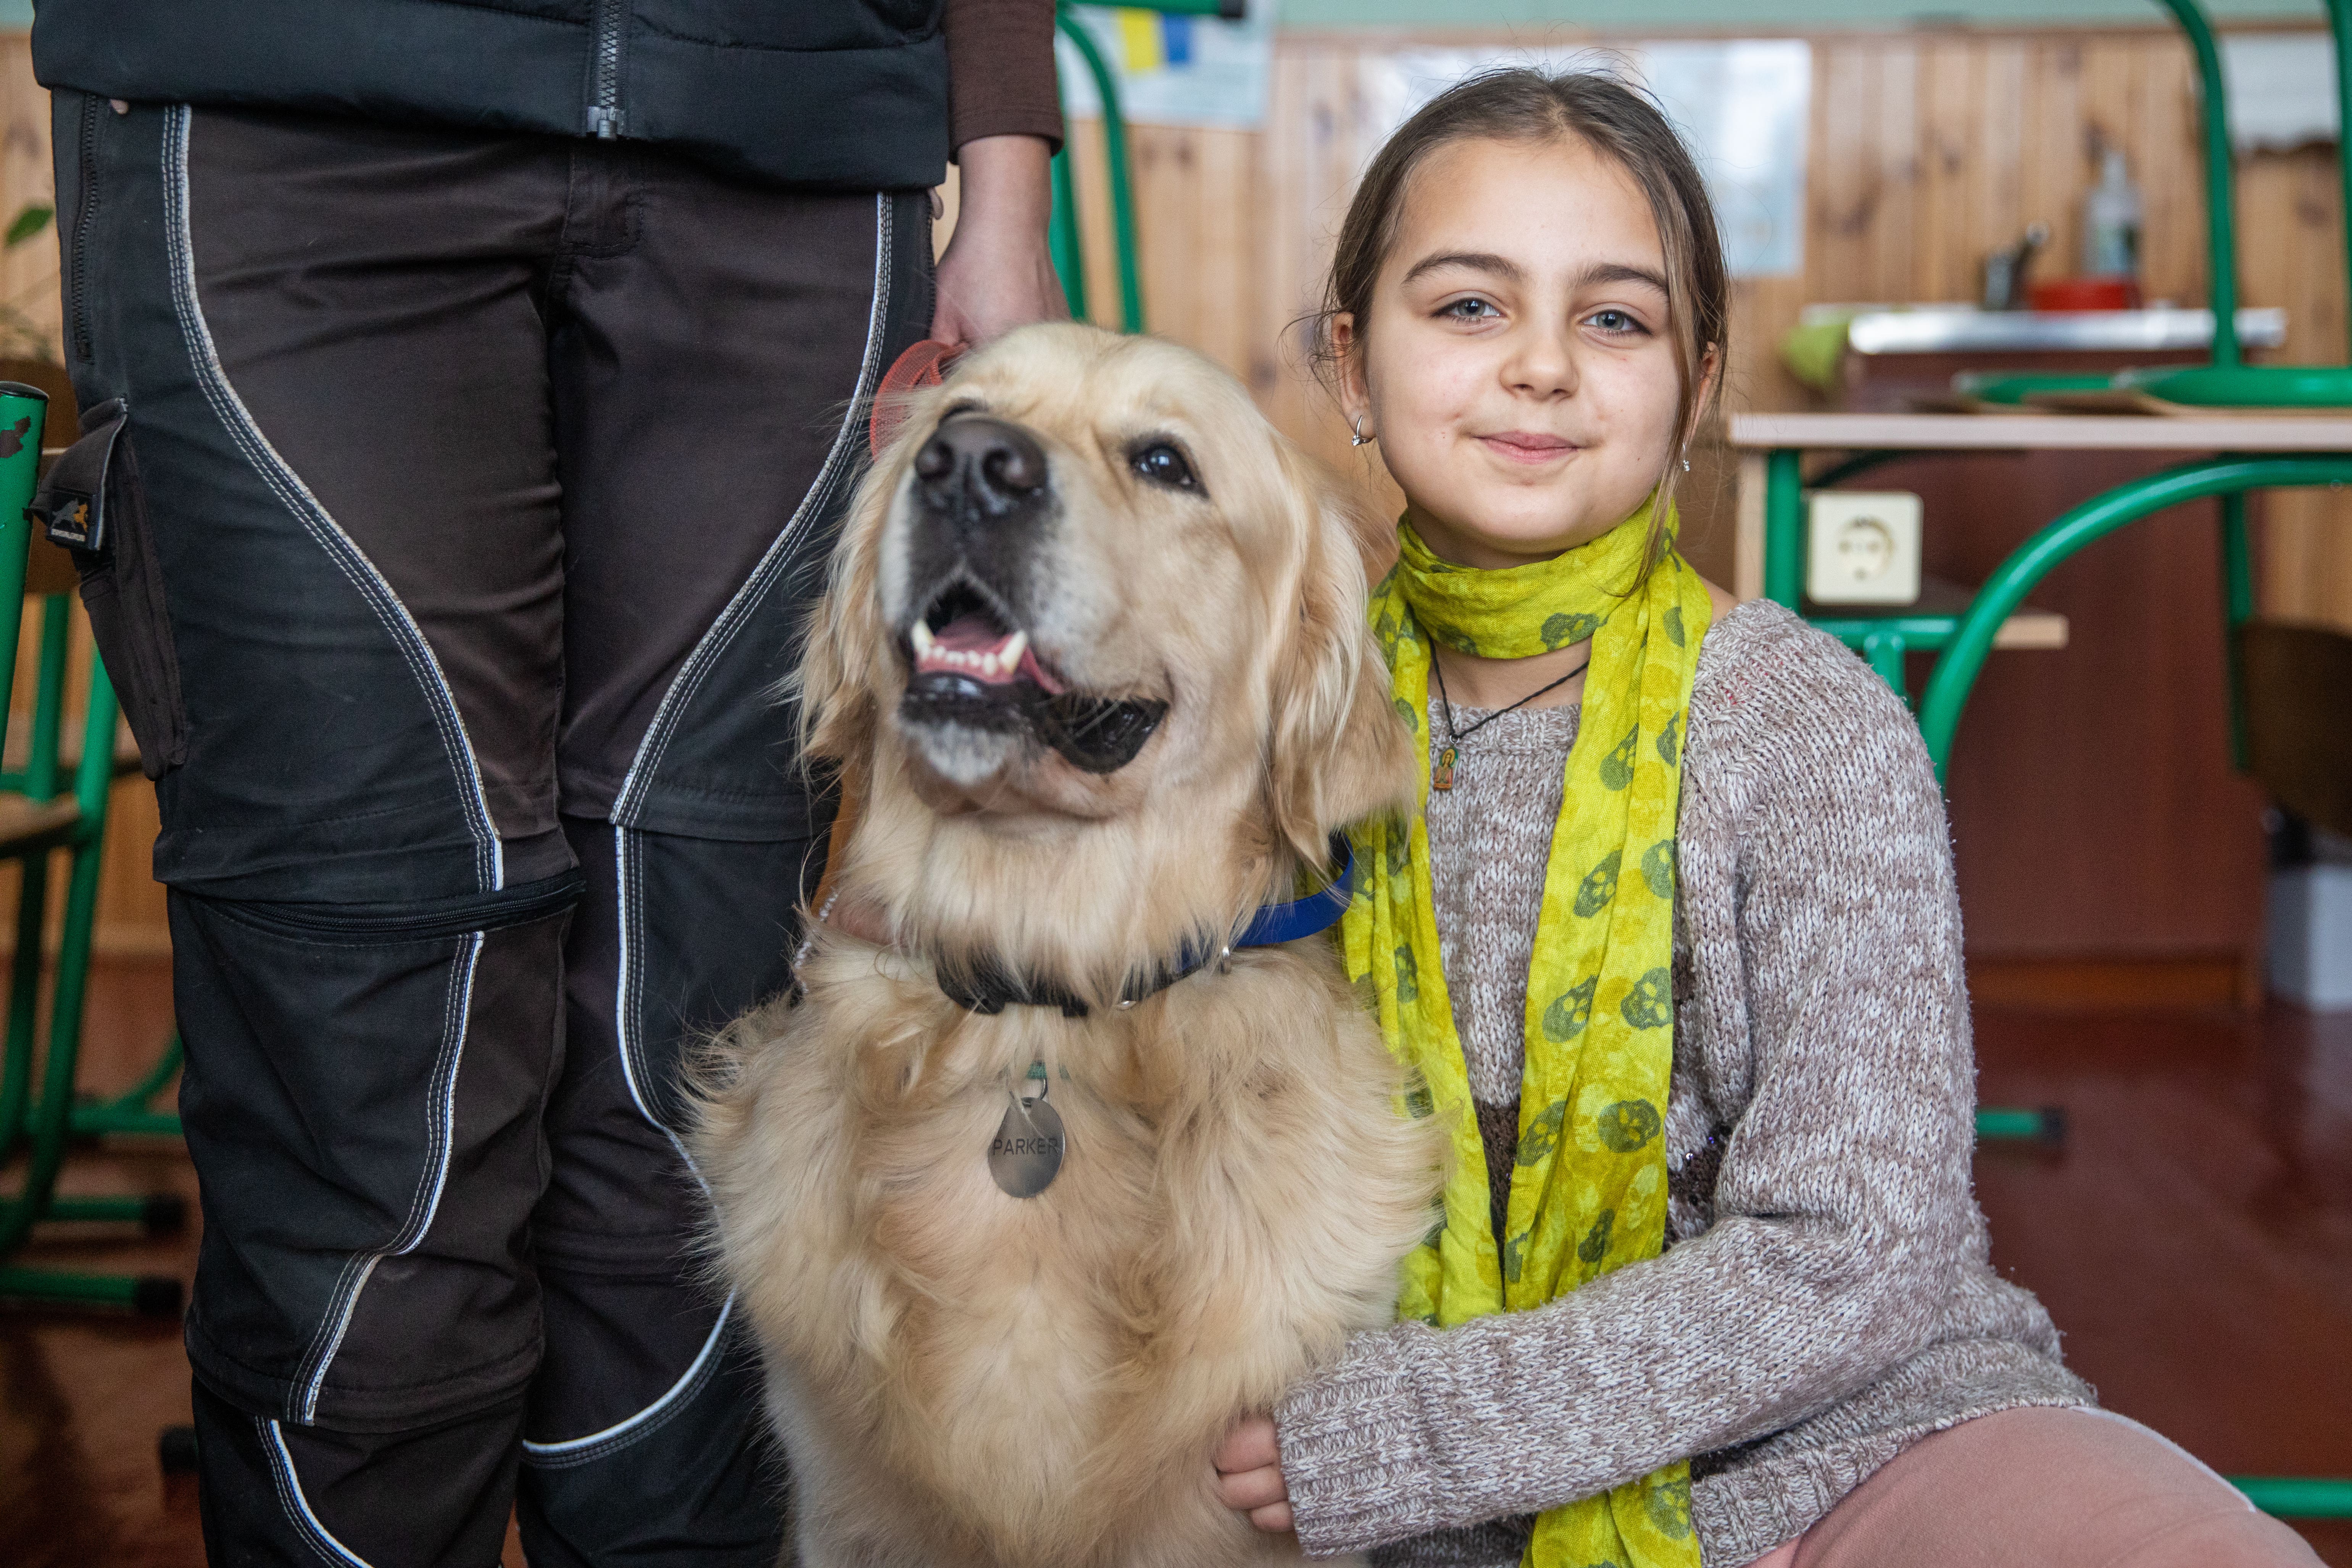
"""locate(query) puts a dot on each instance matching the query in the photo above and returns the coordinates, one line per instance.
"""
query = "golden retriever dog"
(1093, 654)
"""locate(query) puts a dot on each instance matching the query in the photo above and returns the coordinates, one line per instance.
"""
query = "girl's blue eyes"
(1616, 323)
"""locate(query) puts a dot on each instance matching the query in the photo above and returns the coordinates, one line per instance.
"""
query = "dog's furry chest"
(1235, 1190)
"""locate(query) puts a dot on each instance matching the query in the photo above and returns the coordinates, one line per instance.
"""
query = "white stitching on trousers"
(627, 800)
(489, 858)
(441, 1099)
(627, 1430)
(296, 1506)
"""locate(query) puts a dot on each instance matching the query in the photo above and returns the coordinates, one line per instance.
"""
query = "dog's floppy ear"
(1340, 751)
(842, 659)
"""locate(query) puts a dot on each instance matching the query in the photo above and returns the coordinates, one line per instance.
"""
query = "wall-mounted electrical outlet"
(1863, 547)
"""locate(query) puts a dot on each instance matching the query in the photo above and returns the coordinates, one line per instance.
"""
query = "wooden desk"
(2094, 810)
(2042, 432)
(1756, 435)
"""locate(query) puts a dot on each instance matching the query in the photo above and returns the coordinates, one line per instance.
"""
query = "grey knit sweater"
(1824, 1300)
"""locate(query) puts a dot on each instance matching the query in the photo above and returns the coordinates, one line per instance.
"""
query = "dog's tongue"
(971, 647)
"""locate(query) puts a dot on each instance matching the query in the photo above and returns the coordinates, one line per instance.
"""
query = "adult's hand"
(998, 273)
(1249, 1475)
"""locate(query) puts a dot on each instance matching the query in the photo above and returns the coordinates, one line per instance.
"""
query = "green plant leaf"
(30, 219)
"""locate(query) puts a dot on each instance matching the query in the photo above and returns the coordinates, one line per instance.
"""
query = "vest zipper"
(77, 259)
(604, 116)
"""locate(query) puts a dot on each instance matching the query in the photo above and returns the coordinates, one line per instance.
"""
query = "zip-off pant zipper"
(441, 919)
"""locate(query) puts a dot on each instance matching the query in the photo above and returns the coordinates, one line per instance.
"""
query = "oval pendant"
(1026, 1154)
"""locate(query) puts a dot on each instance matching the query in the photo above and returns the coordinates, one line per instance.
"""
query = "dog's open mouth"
(962, 635)
(970, 665)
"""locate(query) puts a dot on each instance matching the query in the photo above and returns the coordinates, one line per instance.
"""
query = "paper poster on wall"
(2281, 89)
(1172, 71)
(1742, 104)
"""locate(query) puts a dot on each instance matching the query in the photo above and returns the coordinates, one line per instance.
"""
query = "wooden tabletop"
(2025, 432)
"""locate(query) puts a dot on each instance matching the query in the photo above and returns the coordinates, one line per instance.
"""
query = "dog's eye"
(1164, 465)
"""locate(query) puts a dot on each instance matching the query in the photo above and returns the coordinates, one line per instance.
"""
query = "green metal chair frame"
(1962, 642)
(42, 1123)
(1883, 640)
(129, 1112)
(1066, 238)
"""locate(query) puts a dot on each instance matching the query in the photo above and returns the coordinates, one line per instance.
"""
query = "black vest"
(837, 94)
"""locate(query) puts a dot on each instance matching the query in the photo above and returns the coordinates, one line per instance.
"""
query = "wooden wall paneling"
(1842, 191)
(1283, 187)
(2108, 120)
(1176, 253)
(28, 273)
(1894, 172)
(1762, 310)
(1947, 228)
(1996, 183)
(2169, 165)
(2052, 167)
(1083, 144)
(1315, 141)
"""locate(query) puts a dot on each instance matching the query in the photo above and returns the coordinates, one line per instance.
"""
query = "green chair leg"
(48, 1119)
(129, 1112)
(2011, 1124)
(1964, 654)
(157, 1213)
(2297, 1496)
(148, 1294)
(1885, 651)
(1068, 252)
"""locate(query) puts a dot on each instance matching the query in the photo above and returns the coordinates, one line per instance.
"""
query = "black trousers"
(459, 525)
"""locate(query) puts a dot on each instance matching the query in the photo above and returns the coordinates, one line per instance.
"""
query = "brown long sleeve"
(1000, 79)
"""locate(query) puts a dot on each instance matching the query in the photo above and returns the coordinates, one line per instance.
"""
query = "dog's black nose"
(999, 462)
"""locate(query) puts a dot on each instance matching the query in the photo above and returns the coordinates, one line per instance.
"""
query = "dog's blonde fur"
(965, 1378)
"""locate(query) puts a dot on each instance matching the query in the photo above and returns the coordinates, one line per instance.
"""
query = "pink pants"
(2025, 1489)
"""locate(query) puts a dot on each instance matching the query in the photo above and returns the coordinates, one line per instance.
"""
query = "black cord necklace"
(1441, 776)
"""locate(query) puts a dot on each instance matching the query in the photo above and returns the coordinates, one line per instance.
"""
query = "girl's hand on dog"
(1249, 1475)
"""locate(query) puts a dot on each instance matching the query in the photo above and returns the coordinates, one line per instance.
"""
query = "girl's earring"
(1358, 438)
(1686, 465)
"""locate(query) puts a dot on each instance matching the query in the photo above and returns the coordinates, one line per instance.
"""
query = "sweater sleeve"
(1001, 80)
(1826, 938)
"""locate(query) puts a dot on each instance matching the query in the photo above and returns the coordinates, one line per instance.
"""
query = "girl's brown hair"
(1521, 105)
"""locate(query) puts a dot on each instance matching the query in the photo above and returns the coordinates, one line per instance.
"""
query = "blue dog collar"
(1319, 912)
(984, 988)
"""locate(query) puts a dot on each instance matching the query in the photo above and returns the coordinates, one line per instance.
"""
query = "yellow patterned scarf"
(1588, 1193)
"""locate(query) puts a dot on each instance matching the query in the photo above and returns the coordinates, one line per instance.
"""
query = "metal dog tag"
(1027, 1154)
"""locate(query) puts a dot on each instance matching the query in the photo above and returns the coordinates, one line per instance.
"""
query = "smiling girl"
(1674, 949)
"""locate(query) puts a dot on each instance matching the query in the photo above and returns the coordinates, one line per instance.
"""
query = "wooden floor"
(2193, 1240)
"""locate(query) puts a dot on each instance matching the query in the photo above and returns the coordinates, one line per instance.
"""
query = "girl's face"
(1518, 366)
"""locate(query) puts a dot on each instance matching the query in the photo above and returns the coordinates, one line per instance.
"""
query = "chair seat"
(29, 825)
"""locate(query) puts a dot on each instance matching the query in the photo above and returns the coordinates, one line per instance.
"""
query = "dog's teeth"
(1008, 658)
(922, 639)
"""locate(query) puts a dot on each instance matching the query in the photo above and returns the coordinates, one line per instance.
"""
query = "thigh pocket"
(92, 503)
